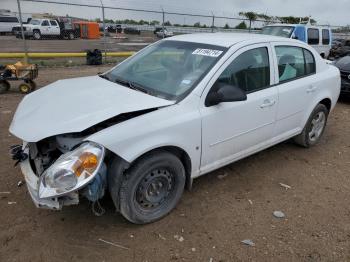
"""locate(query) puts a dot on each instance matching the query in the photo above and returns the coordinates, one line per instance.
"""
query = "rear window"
(294, 62)
(8, 19)
(313, 36)
(325, 37)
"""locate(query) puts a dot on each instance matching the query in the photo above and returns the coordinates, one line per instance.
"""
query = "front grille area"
(345, 76)
(18, 28)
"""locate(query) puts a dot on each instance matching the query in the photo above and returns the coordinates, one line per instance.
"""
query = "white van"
(7, 23)
(318, 37)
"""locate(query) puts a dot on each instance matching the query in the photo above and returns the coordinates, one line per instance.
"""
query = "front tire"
(152, 187)
(314, 127)
(36, 35)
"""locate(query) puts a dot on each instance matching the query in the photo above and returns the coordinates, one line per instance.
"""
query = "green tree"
(226, 26)
(241, 25)
(167, 23)
(251, 16)
(154, 22)
(198, 24)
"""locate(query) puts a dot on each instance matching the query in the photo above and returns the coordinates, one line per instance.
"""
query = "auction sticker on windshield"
(207, 52)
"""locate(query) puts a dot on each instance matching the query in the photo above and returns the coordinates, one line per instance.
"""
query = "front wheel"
(37, 35)
(152, 187)
(314, 127)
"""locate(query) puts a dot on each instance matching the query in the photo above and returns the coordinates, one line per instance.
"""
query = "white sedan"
(176, 110)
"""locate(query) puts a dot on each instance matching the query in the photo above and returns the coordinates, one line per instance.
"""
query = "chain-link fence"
(60, 32)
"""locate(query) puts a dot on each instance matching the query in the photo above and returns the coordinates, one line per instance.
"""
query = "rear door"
(296, 88)
(54, 28)
(45, 27)
(232, 130)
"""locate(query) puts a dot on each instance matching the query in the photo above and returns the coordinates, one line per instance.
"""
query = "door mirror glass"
(224, 93)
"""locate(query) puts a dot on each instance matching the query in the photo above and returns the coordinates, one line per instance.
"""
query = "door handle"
(311, 89)
(268, 103)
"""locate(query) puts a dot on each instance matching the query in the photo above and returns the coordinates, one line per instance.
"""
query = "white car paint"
(211, 136)
(7, 23)
(66, 106)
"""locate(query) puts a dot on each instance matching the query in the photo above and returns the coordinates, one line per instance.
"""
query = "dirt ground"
(225, 207)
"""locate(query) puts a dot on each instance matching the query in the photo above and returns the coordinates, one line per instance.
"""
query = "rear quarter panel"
(328, 82)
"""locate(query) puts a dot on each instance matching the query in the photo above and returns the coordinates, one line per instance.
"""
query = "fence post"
(213, 23)
(163, 26)
(22, 32)
(104, 31)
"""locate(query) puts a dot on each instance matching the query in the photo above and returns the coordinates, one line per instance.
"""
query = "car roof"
(227, 39)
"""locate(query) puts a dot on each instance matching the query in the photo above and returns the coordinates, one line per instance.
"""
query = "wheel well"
(323, 55)
(184, 158)
(327, 103)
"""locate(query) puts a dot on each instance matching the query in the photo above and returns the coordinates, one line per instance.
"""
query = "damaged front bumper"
(32, 182)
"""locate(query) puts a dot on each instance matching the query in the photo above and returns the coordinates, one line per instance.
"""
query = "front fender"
(176, 125)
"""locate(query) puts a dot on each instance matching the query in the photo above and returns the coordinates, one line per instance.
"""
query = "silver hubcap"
(36, 35)
(317, 126)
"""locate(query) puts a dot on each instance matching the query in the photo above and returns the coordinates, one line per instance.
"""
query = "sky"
(324, 11)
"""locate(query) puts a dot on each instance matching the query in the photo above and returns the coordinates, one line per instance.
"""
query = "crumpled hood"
(73, 105)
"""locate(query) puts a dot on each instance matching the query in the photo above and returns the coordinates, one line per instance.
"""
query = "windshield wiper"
(132, 85)
(104, 77)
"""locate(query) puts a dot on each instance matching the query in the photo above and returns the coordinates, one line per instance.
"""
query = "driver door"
(233, 130)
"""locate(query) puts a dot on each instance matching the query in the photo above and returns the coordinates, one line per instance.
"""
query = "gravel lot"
(130, 43)
(225, 207)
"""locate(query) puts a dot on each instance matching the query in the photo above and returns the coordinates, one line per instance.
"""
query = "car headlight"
(71, 171)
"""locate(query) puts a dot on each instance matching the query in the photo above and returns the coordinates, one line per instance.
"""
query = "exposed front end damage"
(58, 170)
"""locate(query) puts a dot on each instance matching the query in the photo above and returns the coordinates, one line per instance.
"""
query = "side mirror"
(224, 93)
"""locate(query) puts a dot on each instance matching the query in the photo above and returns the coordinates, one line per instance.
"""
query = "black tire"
(152, 187)
(4, 86)
(306, 139)
(36, 35)
(33, 85)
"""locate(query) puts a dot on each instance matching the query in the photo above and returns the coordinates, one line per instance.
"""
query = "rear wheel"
(152, 187)
(71, 36)
(4, 86)
(314, 127)
(32, 84)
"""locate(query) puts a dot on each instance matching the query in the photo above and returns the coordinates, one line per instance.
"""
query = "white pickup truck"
(39, 28)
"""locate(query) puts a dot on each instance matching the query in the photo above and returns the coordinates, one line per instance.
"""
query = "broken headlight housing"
(71, 171)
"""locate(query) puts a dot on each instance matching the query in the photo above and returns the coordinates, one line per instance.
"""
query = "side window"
(294, 62)
(250, 71)
(310, 64)
(325, 37)
(313, 36)
(45, 23)
(53, 22)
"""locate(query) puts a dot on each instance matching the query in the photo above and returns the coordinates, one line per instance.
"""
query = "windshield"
(284, 31)
(167, 69)
(34, 22)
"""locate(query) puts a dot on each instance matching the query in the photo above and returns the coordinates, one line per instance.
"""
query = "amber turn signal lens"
(86, 162)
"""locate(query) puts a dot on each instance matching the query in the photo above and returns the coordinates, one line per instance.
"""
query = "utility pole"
(212, 23)
(22, 32)
(104, 30)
